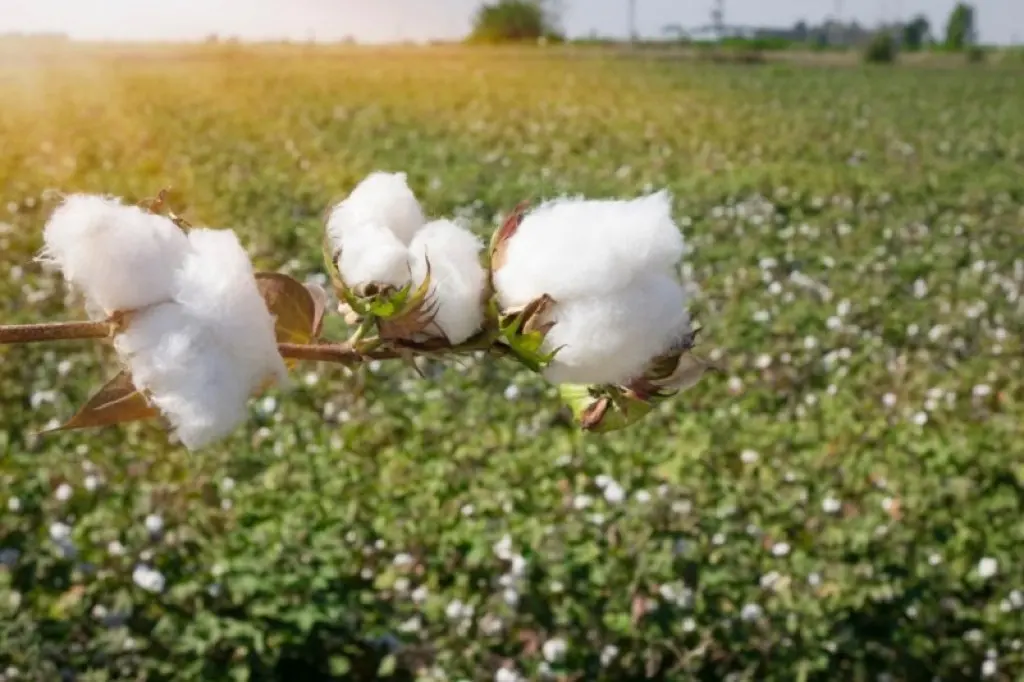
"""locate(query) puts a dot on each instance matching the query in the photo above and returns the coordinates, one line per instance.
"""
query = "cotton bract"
(457, 278)
(119, 257)
(204, 353)
(611, 268)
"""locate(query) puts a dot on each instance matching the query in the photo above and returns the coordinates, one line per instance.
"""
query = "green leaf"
(340, 665)
(387, 666)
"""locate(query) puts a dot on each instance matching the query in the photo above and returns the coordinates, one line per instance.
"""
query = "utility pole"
(837, 25)
(632, 21)
(718, 18)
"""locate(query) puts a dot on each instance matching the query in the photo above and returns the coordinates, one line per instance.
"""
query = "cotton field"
(844, 499)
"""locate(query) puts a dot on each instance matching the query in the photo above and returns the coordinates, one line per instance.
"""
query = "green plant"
(961, 28)
(975, 54)
(881, 49)
(513, 21)
(916, 33)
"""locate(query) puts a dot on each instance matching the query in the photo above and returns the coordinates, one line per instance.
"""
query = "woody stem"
(54, 331)
(343, 353)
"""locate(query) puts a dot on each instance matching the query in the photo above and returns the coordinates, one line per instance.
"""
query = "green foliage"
(916, 33)
(757, 43)
(961, 28)
(510, 21)
(975, 54)
(881, 50)
(822, 511)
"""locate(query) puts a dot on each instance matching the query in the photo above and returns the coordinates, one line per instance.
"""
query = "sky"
(1000, 21)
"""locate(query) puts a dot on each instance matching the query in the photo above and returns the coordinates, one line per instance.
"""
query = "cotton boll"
(383, 199)
(191, 377)
(121, 257)
(217, 286)
(571, 248)
(610, 339)
(203, 355)
(457, 277)
(370, 253)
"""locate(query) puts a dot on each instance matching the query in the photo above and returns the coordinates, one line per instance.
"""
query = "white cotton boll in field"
(370, 253)
(202, 356)
(120, 257)
(570, 248)
(383, 199)
(457, 278)
(611, 339)
(217, 286)
(190, 376)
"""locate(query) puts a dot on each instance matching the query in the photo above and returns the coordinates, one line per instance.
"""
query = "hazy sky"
(385, 20)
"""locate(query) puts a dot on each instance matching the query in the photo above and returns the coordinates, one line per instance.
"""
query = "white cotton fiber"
(570, 248)
(383, 199)
(610, 338)
(457, 277)
(120, 257)
(191, 376)
(216, 284)
(204, 354)
(371, 253)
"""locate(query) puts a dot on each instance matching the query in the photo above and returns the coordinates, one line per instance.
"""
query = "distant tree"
(917, 33)
(800, 31)
(515, 21)
(961, 29)
(881, 49)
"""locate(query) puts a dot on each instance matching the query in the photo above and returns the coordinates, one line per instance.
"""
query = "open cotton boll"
(202, 356)
(216, 285)
(189, 374)
(120, 257)
(457, 277)
(370, 253)
(610, 339)
(570, 248)
(383, 199)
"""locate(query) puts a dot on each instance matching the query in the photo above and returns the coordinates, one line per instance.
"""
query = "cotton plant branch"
(585, 292)
(340, 353)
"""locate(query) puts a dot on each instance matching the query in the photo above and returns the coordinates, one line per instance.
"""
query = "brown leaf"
(591, 417)
(297, 313)
(319, 307)
(895, 511)
(117, 402)
(504, 233)
(530, 642)
(638, 608)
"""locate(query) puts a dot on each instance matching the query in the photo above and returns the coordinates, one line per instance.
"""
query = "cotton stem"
(54, 331)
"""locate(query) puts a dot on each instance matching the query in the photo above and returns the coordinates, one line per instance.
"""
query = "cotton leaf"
(297, 312)
(118, 402)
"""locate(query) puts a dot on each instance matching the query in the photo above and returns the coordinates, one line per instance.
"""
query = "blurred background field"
(846, 502)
